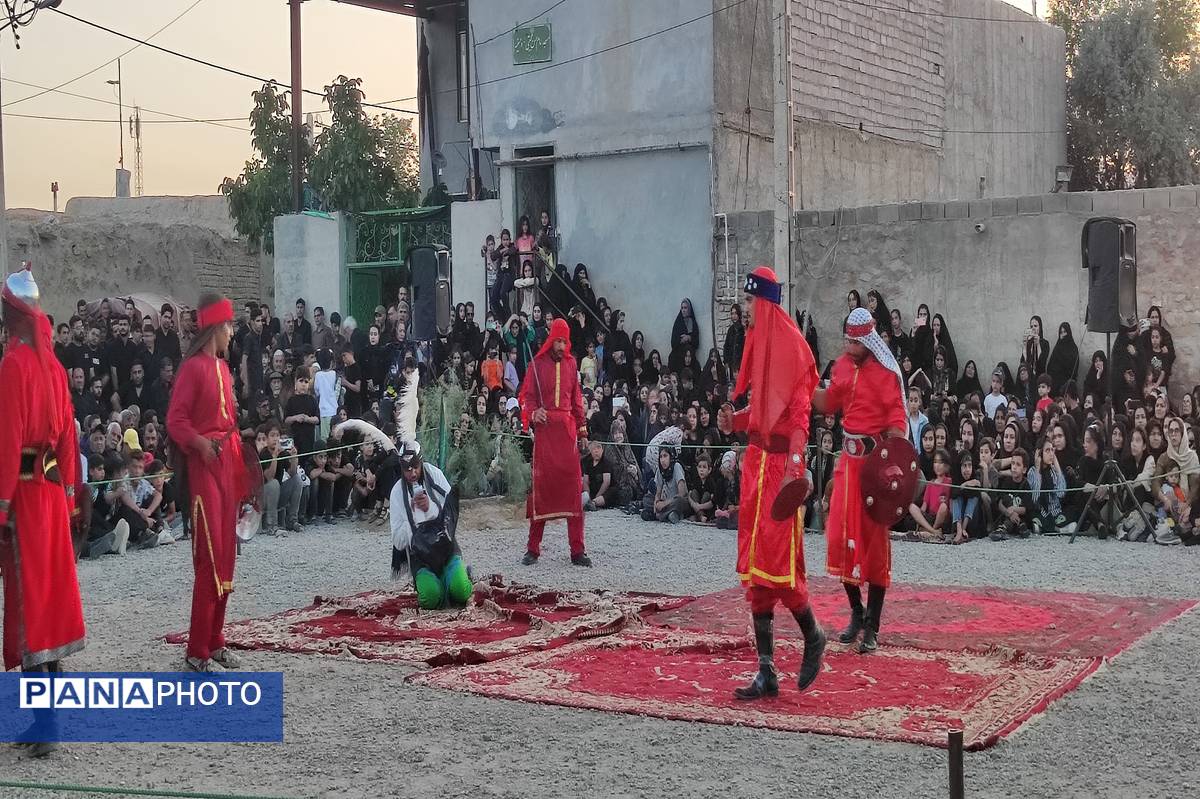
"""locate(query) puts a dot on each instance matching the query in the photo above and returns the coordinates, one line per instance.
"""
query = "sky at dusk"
(184, 158)
(180, 158)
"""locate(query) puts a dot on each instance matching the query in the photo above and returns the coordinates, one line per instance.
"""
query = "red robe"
(202, 407)
(557, 479)
(859, 549)
(43, 614)
(779, 370)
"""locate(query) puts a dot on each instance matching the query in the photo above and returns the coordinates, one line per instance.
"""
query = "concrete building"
(640, 125)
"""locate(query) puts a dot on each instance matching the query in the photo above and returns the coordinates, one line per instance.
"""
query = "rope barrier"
(117, 791)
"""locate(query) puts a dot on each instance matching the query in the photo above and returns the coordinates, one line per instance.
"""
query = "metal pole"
(120, 117)
(297, 110)
(3, 208)
(957, 789)
(783, 148)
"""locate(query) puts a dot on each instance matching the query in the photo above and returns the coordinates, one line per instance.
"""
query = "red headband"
(214, 314)
(859, 331)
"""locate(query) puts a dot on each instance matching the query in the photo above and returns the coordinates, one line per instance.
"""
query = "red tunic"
(43, 615)
(868, 395)
(781, 373)
(557, 480)
(202, 407)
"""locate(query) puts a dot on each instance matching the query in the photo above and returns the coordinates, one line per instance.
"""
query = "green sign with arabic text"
(532, 44)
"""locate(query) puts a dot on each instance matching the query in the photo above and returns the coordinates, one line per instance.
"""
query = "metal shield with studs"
(889, 479)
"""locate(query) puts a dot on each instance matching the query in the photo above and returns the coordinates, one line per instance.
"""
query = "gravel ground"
(355, 729)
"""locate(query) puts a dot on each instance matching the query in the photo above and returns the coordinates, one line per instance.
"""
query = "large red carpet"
(984, 660)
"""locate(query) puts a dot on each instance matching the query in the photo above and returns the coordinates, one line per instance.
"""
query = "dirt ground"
(355, 729)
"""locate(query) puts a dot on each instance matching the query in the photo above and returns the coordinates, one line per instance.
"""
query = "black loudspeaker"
(423, 274)
(444, 315)
(1109, 248)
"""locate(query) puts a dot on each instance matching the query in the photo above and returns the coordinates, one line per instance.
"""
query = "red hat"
(558, 330)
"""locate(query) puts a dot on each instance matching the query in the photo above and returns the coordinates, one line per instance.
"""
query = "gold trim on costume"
(198, 505)
(558, 384)
(790, 578)
(221, 389)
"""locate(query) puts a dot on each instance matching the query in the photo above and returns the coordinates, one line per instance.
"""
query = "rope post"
(957, 789)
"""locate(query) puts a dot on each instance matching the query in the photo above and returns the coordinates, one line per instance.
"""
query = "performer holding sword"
(552, 404)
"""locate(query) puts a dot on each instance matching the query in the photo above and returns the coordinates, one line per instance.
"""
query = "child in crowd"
(965, 499)
(1048, 484)
(1043, 390)
(107, 534)
(588, 368)
(668, 499)
(1012, 503)
(917, 420)
(726, 512)
(935, 504)
(702, 489)
(325, 388)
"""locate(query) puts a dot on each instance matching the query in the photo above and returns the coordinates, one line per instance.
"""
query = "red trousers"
(214, 489)
(574, 534)
(762, 599)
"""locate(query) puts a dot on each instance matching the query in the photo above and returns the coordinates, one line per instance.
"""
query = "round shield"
(248, 522)
(889, 479)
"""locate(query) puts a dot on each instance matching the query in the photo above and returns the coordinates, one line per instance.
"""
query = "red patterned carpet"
(898, 694)
(504, 620)
(985, 660)
(958, 618)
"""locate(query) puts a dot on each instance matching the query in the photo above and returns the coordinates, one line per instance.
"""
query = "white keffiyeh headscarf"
(860, 327)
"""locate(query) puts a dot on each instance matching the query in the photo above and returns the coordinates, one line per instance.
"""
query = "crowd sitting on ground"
(1024, 456)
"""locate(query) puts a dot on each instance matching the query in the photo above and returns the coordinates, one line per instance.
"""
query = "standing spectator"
(920, 335)
(900, 342)
(735, 338)
(489, 265)
(302, 414)
(1096, 380)
(326, 391)
(526, 242)
(581, 283)
(1158, 359)
(322, 333)
(527, 288)
(119, 356)
(879, 310)
(1063, 363)
(167, 341)
(1036, 350)
(685, 336)
(375, 362)
(507, 263)
(303, 330)
(250, 370)
(351, 381)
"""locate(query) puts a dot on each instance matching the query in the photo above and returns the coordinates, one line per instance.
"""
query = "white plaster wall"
(470, 223)
(308, 262)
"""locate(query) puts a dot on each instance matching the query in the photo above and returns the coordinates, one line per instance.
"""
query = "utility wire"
(114, 102)
(519, 24)
(8, 114)
(106, 63)
(585, 56)
(216, 66)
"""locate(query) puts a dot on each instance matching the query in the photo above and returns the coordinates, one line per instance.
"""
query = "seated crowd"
(1023, 456)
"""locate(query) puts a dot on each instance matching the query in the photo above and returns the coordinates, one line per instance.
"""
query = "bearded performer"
(202, 423)
(552, 403)
(867, 388)
(779, 372)
(39, 466)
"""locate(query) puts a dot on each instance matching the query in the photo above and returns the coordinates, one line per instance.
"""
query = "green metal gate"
(377, 244)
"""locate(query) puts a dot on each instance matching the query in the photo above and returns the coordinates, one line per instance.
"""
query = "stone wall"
(88, 258)
(1023, 260)
(208, 211)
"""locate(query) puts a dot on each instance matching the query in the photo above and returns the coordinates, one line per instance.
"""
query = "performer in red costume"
(39, 467)
(779, 372)
(202, 421)
(553, 404)
(867, 388)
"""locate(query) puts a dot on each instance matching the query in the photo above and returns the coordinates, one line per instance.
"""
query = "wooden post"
(297, 111)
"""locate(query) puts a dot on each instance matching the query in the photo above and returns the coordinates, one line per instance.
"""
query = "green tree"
(349, 168)
(401, 151)
(262, 191)
(1133, 90)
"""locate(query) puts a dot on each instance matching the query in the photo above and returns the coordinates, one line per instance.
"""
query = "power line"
(8, 114)
(106, 63)
(112, 102)
(585, 56)
(519, 24)
(220, 67)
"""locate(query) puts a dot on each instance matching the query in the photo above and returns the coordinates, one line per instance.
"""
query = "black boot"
(814, 647)
(870, 639)
(766, 682)
(41, 736)
(855, 627)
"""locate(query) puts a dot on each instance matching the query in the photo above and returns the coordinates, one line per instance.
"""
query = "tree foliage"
(356, 163)
(1133, 91)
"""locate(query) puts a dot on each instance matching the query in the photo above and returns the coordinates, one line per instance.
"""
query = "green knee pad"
(430, 594)
(458, 584)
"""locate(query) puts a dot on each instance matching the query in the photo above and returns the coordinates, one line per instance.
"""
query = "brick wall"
(855, 62)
